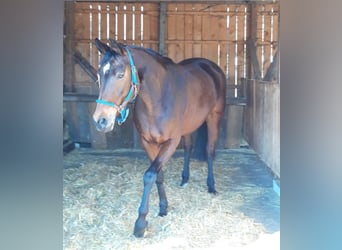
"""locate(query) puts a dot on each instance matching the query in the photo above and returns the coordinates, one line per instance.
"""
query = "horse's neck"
(152, 74)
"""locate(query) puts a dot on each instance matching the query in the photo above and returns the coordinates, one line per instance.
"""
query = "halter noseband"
(122, 109)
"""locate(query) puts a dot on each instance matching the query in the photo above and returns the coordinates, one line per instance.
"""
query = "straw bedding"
(102, 192)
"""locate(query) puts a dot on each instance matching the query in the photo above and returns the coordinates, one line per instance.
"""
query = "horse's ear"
(102, 47)
(116, 46)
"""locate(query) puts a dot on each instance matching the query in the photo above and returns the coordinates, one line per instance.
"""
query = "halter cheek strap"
(122, 109)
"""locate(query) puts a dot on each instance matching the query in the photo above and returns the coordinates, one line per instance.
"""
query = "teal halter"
(122, 109)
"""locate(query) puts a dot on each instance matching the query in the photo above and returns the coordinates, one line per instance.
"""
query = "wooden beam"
(254, 58)
(255, 71)
(272, 71)
(85, 65)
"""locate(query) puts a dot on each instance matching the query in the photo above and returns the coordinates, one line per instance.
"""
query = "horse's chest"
(154, 128)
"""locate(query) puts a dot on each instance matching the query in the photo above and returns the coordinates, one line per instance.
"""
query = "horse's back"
(205, 91)
(199, 65)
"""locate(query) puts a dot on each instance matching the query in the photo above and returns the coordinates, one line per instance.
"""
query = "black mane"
(162, 59)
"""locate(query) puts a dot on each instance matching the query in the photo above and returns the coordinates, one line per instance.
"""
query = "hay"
(102, 193)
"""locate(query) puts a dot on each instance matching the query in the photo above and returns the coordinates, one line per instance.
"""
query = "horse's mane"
(162, 59)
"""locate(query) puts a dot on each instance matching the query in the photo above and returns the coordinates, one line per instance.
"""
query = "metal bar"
(162, 28)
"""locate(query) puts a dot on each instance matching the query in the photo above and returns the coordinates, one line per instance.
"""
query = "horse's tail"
(200, 145)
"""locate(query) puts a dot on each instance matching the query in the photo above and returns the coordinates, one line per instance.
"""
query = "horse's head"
(116, 87)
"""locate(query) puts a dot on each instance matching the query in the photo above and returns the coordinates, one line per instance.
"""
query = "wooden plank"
(176, 51)
(276, 24)
(188, 48)
(223, 57)
(180, 23)
(171, 22)
(171, 50)
(138, 27)
(218, 22)
(129, 22)
(248, 34)
(180, 48)
(231, 46)
(259, 45)
(206, 28)
(120, 22)
(211, 50)
(102, 16)
(197, 50)
(189, 29)
(267, 38)
(251, 47)
(197, 31)
(240, 13)
(240, 43)
(81, 21)
(111, 13)
(188, 22)
(151, 26)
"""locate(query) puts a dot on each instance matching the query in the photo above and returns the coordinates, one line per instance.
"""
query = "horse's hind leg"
(187, 154)
(213, 122)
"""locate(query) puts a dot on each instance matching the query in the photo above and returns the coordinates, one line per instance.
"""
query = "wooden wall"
(262, 113)
(262, 122)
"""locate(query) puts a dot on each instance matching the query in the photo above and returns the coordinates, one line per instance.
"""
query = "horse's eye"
(121, 75)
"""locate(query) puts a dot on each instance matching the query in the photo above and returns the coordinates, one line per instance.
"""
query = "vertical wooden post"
(255, 69)
(162, 28)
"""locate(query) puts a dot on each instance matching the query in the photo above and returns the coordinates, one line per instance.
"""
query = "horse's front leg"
(152, 175)
(163, 204)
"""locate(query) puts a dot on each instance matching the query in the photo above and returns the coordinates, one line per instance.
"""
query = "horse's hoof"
(212, 191)
(162, 213)
(184, 183)
(139, 229)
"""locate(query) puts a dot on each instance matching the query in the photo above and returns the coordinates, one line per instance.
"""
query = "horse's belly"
(191, 123)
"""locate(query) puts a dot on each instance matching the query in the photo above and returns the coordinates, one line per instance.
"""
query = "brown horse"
(170, 102)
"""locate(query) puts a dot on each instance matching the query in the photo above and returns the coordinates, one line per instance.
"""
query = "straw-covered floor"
(102, 192)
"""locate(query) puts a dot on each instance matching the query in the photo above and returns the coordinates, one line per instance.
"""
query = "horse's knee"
(160, 177)
(150, 177)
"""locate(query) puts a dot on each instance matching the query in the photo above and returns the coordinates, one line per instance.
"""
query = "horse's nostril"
(101, 123)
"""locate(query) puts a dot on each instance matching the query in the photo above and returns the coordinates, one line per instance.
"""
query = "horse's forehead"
(106, 67)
